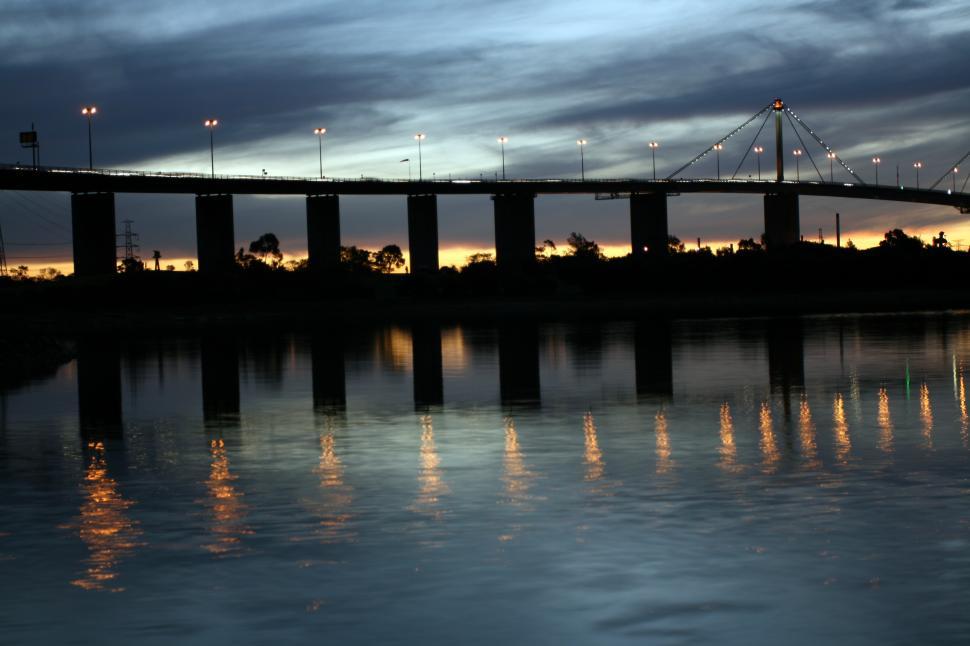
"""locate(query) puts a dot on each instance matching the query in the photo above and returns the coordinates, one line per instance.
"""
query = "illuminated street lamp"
(718, 148)
(653, 154)
(758, 150)
(502, 141)
(956, 169)
(875, 162)
(798, 155)
(917, 165)
(582, 158)
(419, 138)
(831, 156)
(320, 132)
(89, 111)
(211, 125)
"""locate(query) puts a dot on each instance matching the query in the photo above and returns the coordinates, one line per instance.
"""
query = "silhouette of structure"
(328, 371)
(427, 365)
(220, 379)
(653, 359)
(518, 364)
(99, 388)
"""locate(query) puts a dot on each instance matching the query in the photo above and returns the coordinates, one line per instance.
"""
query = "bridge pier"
(515, 231)
(93, 232)
(648, 224)
(781, 220)
(423, 233)
(214, 233)
(323, 232)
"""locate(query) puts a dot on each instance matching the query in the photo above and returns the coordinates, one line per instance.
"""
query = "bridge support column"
(214, 233)
(423, 233)
(781, 220)
(323, 231)
(648, 224)
(515, 231)
(93, 231)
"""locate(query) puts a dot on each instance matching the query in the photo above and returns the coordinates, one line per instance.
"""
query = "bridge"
(93, 212)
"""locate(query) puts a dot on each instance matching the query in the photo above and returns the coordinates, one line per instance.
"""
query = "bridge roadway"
(20, 178)
(94, 234)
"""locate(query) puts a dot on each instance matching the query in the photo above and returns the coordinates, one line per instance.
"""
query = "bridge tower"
(779, 107)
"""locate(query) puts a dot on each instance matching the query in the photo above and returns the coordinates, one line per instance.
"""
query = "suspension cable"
(748, 150)
(950, 170)
(719, 141)
(824, 145)
(804, 147)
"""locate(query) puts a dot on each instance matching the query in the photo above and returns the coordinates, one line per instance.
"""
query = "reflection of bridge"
(517, 347)
(93, 208)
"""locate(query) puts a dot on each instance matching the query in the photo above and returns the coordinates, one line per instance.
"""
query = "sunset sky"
(883, 78)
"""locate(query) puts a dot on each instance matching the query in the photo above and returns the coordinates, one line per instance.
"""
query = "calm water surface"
(773, 481)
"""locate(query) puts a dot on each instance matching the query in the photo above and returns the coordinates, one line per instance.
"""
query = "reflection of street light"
(875, 162)
(758, 150)
(798, 155)
(582, 159)
(419, 138)
(831, 156)
(211, 125)
(502, 141)
(320, 132)
(718, 148)
(653, 154)
(89, 111)
(917, 165)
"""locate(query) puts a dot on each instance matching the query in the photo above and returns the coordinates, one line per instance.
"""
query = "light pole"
(89, 111)
(917, 165)
(320, 132)
(419, 138)
(718, 148)
(502, 141)
(653, 154)
(875, 162)
(831, 156)
(211, 125)
(798, 155)
(582, 158)
(956, 169)
(758, 150)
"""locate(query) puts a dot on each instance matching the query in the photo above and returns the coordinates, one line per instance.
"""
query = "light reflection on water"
(722, 482)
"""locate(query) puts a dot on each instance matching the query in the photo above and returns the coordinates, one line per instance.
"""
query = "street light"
(502, 141)
(419, 138)
(653, 154)
(917, 165)
(956, 169)
(211, 125)
(89, 111)
(798, 154)
(831, 156)
(758, 150)
(320, 132)
(582, 159)
(875, 162)
(718, 148)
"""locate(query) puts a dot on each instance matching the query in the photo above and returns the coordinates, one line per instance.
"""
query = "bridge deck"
(117, 181)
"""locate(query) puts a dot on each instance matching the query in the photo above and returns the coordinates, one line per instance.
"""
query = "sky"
(872, 77)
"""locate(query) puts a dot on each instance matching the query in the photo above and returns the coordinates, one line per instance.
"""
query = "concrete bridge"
(93, 209)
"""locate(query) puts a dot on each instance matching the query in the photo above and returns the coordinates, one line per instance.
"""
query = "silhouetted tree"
(896, 240)
(49, 273)
(748, 245)
(131, 265)
(674, 245)
(267, 245)
(388, 259)
(189, 265)
(580, 247)
(941, 242)
(481, 258)
(356, 259)
(20, 272)
(169, 267)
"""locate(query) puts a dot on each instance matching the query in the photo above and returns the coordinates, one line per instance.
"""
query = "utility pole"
(838, 231)
(129, 258)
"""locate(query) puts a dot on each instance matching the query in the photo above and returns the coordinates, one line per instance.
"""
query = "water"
(792, 481)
